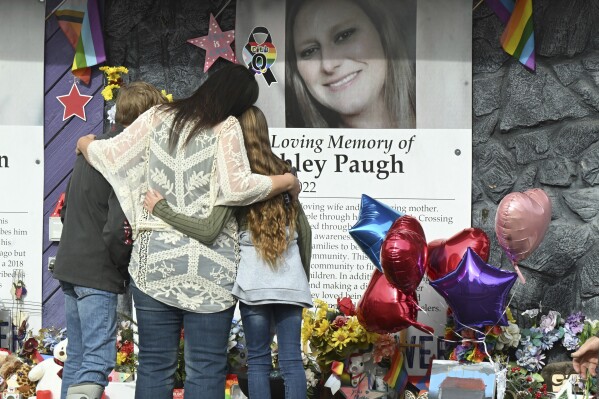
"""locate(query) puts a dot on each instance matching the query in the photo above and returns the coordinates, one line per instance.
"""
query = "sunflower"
(340, 338)
(321, 327)
(307, 329)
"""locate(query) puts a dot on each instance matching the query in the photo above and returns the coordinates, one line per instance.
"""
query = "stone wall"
(541, 129)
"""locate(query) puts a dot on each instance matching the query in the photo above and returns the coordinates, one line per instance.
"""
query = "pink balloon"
(521, 222)
(404, 254)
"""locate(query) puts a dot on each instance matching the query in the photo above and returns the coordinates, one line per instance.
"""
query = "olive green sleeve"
(304, 239)
(204, 230)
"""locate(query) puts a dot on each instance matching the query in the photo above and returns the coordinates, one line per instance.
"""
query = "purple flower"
(570, 341)
(549, 321)
(575, 323)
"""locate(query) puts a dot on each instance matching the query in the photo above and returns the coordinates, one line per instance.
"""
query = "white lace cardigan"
(212, 169)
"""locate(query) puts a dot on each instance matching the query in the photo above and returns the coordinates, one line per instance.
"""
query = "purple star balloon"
(374, 221)
(476, 292)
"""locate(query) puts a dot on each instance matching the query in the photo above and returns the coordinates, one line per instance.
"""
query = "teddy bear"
(48, 373)
(15, 374)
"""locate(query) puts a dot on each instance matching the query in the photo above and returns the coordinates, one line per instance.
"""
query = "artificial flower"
(532, 313)
(384, 347)
(346, 306)
(321, 327)
(509, 337)
(549, 321)
(575, 323)
(169, 97)
(107, 92)
(340, 339)
(110, 114)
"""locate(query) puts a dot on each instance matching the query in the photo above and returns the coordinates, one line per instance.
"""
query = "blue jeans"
(256, 326)
(206, 339)
(91, 329)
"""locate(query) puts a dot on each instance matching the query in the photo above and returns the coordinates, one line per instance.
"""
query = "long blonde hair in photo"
(269, 220)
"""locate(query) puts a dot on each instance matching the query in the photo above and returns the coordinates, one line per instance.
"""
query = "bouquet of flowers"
(334, 333)
(475, 346)
(113, 80)
(126, 359)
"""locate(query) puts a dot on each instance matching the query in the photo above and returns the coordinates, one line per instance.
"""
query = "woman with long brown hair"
(192, 150)
(272, 279)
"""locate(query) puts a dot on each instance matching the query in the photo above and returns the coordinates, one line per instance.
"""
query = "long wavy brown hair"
(269, 220)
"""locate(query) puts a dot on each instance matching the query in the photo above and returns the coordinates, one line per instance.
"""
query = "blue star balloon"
(476, 292)
(374, 221)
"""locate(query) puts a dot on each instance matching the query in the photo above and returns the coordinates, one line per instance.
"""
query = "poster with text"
(20, 226)
(368, 97)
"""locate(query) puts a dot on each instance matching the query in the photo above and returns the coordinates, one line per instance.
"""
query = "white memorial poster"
(368, 97)
(21, 210)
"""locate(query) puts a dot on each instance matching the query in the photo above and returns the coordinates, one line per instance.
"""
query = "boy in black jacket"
(92, 260)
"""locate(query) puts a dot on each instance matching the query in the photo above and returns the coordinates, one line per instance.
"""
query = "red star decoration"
(216, 43)
(361, 391)
(74, 103)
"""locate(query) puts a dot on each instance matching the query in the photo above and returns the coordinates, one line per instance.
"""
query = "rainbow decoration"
(260, 57)
(80, 22)
(518, 38)
(397, 376)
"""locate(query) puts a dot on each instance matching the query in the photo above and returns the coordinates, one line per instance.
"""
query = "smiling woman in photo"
(347, 66)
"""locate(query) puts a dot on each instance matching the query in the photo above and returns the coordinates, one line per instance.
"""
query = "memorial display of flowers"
(334, 333)
(126, 358)
(531, 343)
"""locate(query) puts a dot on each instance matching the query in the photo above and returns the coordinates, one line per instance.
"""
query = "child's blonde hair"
(134, 99)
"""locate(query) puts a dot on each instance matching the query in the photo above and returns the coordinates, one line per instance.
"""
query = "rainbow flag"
(80, 22)
(518, 38)
(397, 376)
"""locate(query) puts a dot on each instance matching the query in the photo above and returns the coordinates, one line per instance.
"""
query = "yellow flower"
(307, 329)
(107, 92)
(321, 327)
(113, 74)
(340, 338)
(169, 97)
(121, 358)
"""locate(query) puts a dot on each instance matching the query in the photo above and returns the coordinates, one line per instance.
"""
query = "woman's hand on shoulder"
(151, 199)
(295, 187)
(83, 142)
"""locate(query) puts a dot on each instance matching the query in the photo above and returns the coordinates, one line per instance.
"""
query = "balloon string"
(479, 332)
(518, 272)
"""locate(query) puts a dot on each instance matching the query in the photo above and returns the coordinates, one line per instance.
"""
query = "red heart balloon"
(407, 222)
(385, 309)
(445, 255)
(403, 254)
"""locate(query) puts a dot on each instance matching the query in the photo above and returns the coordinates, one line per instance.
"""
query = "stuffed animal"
(15, 373)
(4, 356)
(356, 367)
(48, 373)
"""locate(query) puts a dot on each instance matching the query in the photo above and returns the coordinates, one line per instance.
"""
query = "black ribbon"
(258, 61)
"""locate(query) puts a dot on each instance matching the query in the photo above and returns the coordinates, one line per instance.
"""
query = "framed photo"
(452, 380)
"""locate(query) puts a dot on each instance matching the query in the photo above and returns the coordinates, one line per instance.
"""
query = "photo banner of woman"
(371, 97)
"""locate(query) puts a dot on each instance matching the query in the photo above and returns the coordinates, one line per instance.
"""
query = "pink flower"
(385, 346)
(339, 321)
